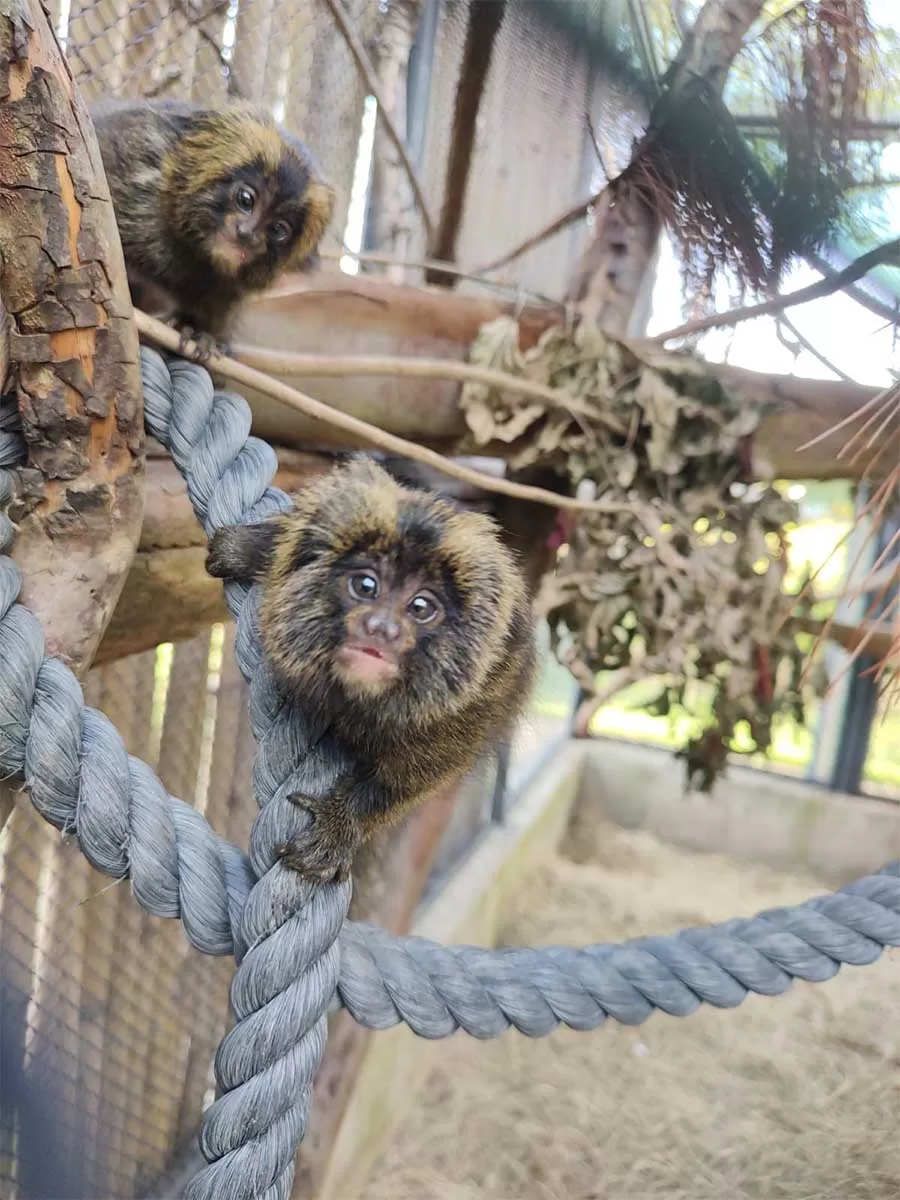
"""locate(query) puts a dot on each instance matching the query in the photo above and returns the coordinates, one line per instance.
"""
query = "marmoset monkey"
(210, 205)
(405, 622)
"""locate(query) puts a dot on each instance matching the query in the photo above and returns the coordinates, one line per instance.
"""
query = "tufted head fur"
(477, 658)
(245, 194)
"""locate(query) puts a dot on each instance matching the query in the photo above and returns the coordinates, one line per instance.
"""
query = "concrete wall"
(469, 909)
(751, 814)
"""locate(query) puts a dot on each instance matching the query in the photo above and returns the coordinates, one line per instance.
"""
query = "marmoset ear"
(242, 551)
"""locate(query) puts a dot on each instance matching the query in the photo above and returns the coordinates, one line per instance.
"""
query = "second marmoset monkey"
(211, 204)
(405, 622)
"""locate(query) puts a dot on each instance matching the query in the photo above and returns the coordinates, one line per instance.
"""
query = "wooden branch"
(484, 21)
(876, 639)
(72, 346)
(280, 362)
(805, 344)
(366, 70)
(340, 315)
(889, 253)
(69, 347)
(557, 225)
(164, 335)
(887, 312)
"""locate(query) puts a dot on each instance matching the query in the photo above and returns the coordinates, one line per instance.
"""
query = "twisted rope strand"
(281, 928)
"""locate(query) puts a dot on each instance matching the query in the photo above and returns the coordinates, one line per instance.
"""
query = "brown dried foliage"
(682, 578)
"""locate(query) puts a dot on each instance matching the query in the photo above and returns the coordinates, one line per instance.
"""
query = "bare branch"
(807, 345)
(555, 226)
(889, 253)
(281, 362)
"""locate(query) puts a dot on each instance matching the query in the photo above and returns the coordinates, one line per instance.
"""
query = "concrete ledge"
(751, 814)
(469, 909)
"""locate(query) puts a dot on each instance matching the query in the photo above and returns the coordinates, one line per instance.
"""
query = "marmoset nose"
(246, 231)
(379, 624)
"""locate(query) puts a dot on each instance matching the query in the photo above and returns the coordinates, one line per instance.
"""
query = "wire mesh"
(119, 1020)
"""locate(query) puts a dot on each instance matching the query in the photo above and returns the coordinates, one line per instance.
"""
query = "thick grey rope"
(80, 778)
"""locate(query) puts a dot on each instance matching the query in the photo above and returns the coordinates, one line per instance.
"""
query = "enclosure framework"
(302, 954)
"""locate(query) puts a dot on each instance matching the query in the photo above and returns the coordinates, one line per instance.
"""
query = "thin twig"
(848, 420)
(815, 291)
(283, 362)
(591, 705)
(446, 268)
(811, 349)
(556, 225)
(367, 71)
(169, 339)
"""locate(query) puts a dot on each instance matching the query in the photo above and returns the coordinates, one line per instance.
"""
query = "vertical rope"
(288, 975)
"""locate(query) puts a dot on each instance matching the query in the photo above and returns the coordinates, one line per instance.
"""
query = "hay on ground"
(791, 1098)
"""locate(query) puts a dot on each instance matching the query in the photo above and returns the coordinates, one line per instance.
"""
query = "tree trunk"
(72, 346)
(615, 272)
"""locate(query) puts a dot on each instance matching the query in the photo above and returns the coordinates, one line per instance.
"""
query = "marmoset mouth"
(366, 664)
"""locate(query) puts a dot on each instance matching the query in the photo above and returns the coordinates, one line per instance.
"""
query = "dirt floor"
(796, 1097)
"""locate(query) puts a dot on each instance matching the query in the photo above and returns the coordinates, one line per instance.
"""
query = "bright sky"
(851, 337)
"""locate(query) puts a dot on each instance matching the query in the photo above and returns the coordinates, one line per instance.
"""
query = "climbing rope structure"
(296, 953)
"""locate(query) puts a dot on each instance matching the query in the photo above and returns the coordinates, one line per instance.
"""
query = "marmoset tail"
(403, 621)
(210, 204)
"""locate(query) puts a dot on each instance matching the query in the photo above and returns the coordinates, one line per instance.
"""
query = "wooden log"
(334, 314)
(71, 345)
(168, 595)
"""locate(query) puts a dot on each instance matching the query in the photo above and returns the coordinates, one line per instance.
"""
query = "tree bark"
(72, 346)
(339, 315)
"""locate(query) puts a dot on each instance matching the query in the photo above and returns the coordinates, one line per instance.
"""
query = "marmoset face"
(386, 615)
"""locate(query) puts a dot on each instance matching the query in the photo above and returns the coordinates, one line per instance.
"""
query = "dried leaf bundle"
(682, 578)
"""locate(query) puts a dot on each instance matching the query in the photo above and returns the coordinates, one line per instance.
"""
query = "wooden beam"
(335, 314)
(168, 596)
